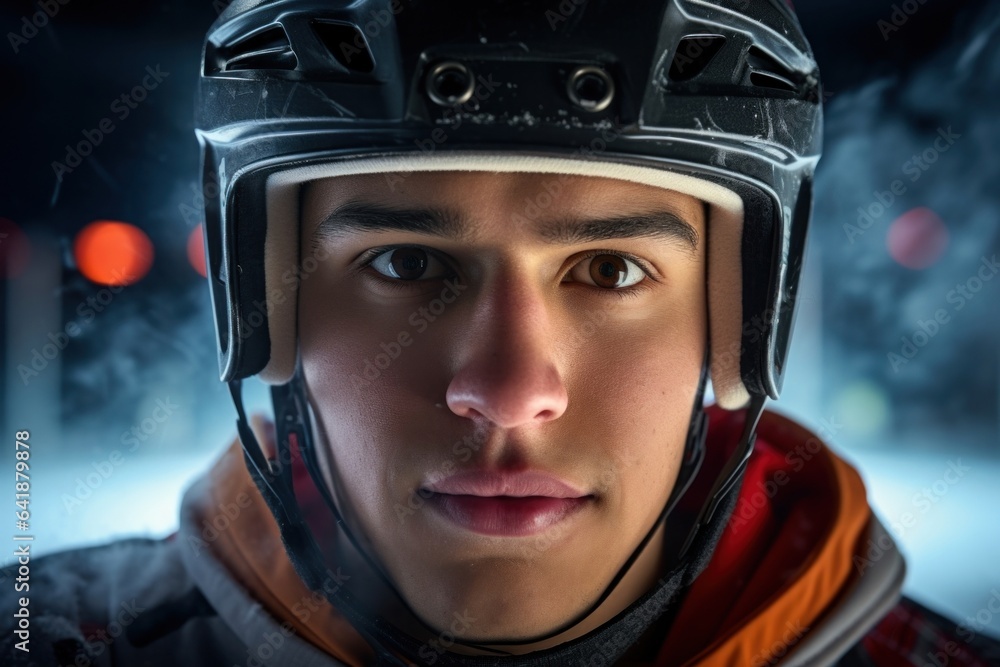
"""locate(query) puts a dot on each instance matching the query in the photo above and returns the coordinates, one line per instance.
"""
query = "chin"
(505, 605)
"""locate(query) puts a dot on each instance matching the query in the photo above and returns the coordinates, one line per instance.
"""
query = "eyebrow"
(356, 217)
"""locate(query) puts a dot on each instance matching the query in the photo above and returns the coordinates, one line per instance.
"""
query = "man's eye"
(608, 271)
(409, 264)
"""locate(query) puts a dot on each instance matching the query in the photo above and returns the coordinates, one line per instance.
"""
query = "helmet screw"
(590, 88)
(450, 83)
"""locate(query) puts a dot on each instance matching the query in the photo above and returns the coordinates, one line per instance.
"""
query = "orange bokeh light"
(109, 252)
(196, 251)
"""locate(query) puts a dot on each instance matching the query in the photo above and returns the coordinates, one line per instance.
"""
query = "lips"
(506, 504)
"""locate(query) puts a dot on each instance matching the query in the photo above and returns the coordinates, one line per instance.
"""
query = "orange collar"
(250, 548)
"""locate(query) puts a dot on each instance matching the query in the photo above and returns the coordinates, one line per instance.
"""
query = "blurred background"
(896, 354)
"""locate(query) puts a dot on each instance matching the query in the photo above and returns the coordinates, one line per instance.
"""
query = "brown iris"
(408, 263)
(607, 270)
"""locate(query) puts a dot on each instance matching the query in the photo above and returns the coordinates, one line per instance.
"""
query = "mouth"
(505, 504)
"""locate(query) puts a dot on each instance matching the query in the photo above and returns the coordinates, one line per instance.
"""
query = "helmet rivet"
(590, 88)
(450, 83)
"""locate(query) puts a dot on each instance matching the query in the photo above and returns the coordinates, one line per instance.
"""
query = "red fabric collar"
(799, 517)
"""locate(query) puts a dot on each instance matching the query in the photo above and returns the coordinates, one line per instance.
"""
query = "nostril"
(472, 413)
(463, 408)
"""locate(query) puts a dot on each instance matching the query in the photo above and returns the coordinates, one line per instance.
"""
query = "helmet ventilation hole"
(266, 49)
(693, 55)
(345, 43)
(766, 72)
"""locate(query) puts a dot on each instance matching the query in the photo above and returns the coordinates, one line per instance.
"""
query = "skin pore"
(530, 343)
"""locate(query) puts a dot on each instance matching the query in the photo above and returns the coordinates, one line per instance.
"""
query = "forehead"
(489, 196)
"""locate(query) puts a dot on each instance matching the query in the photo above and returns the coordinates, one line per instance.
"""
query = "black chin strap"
(393, 647)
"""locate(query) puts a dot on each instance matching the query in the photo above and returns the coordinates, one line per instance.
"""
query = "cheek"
(352, 400)
(634, 398)
(348, 337)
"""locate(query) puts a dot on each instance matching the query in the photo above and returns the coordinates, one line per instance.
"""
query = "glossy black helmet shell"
(726, 91)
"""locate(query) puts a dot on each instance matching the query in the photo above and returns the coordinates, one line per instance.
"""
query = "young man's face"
(469, 322)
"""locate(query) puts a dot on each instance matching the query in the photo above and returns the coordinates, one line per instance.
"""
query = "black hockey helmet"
(726, 92)
(718, 99)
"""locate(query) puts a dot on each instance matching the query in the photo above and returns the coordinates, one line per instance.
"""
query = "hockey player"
(488, 256)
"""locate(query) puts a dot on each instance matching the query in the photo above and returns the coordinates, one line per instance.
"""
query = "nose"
(507, 372)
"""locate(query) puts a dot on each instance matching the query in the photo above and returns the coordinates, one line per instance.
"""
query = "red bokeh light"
(918, 238)
(109, 252)
(196, 251)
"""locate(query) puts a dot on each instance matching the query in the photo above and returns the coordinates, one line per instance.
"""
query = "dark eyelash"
(368, 256)
(628, 292)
